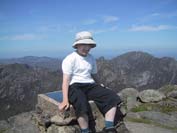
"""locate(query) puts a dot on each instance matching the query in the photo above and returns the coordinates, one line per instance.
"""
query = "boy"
(79, 86)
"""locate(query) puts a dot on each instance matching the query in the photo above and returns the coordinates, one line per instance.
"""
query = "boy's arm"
(64, 105)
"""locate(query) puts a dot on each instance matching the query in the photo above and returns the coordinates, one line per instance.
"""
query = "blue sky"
(48, 27)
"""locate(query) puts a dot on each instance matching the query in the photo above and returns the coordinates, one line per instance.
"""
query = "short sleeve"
(67, 66)
(94, 67)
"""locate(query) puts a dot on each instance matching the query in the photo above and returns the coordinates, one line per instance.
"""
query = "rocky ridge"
(20, 84)
(138, 70)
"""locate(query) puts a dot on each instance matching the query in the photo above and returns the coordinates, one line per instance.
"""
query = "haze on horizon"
(47, 28)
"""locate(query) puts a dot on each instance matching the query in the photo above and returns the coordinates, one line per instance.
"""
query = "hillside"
(19, 86)
(138, 70)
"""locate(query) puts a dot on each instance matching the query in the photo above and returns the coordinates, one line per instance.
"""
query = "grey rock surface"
(151, 96)
(146, 128)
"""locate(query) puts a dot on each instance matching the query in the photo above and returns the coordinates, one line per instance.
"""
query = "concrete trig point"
(48, 105)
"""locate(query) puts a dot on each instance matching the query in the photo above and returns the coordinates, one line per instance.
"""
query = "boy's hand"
(63, 106)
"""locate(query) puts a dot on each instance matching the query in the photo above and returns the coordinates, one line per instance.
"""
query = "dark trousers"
(81, 93)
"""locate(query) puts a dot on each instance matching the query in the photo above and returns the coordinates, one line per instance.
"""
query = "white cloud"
(154, 14)
(170, 14)
(149, 17)
(49, 28)
(157, 16)
(89, 21)
(109, 19)
(3, 38)
(114, 28)
(98, 31)
(106, 19)
(152, 28)
(22, 37)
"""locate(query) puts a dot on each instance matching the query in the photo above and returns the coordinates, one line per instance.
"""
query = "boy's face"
(83, 49)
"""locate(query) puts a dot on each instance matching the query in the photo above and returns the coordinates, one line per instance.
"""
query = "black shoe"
(121, 127)
(92, 131)
(108, 130)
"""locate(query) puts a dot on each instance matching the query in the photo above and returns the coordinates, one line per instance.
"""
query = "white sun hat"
(84, 37)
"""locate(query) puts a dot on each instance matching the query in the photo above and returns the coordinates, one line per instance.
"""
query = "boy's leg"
(91, 118)
(83, 122)
(119, 116)
(104, 98)
(107, 102)
(87, 121)
(109, 117)
(110, 114)
(109, 121)
(80, 103)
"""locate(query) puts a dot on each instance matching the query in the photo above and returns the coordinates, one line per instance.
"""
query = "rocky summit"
(158, 114)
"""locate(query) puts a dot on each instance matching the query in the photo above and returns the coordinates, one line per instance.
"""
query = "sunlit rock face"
(138, 70)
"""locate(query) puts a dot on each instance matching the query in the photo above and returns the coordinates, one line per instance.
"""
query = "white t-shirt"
(79, 68)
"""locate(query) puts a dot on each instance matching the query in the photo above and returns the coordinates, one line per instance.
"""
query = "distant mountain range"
(42, 62)
(21, 79)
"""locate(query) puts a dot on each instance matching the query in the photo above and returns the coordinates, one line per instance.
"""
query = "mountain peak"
(135, 55)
